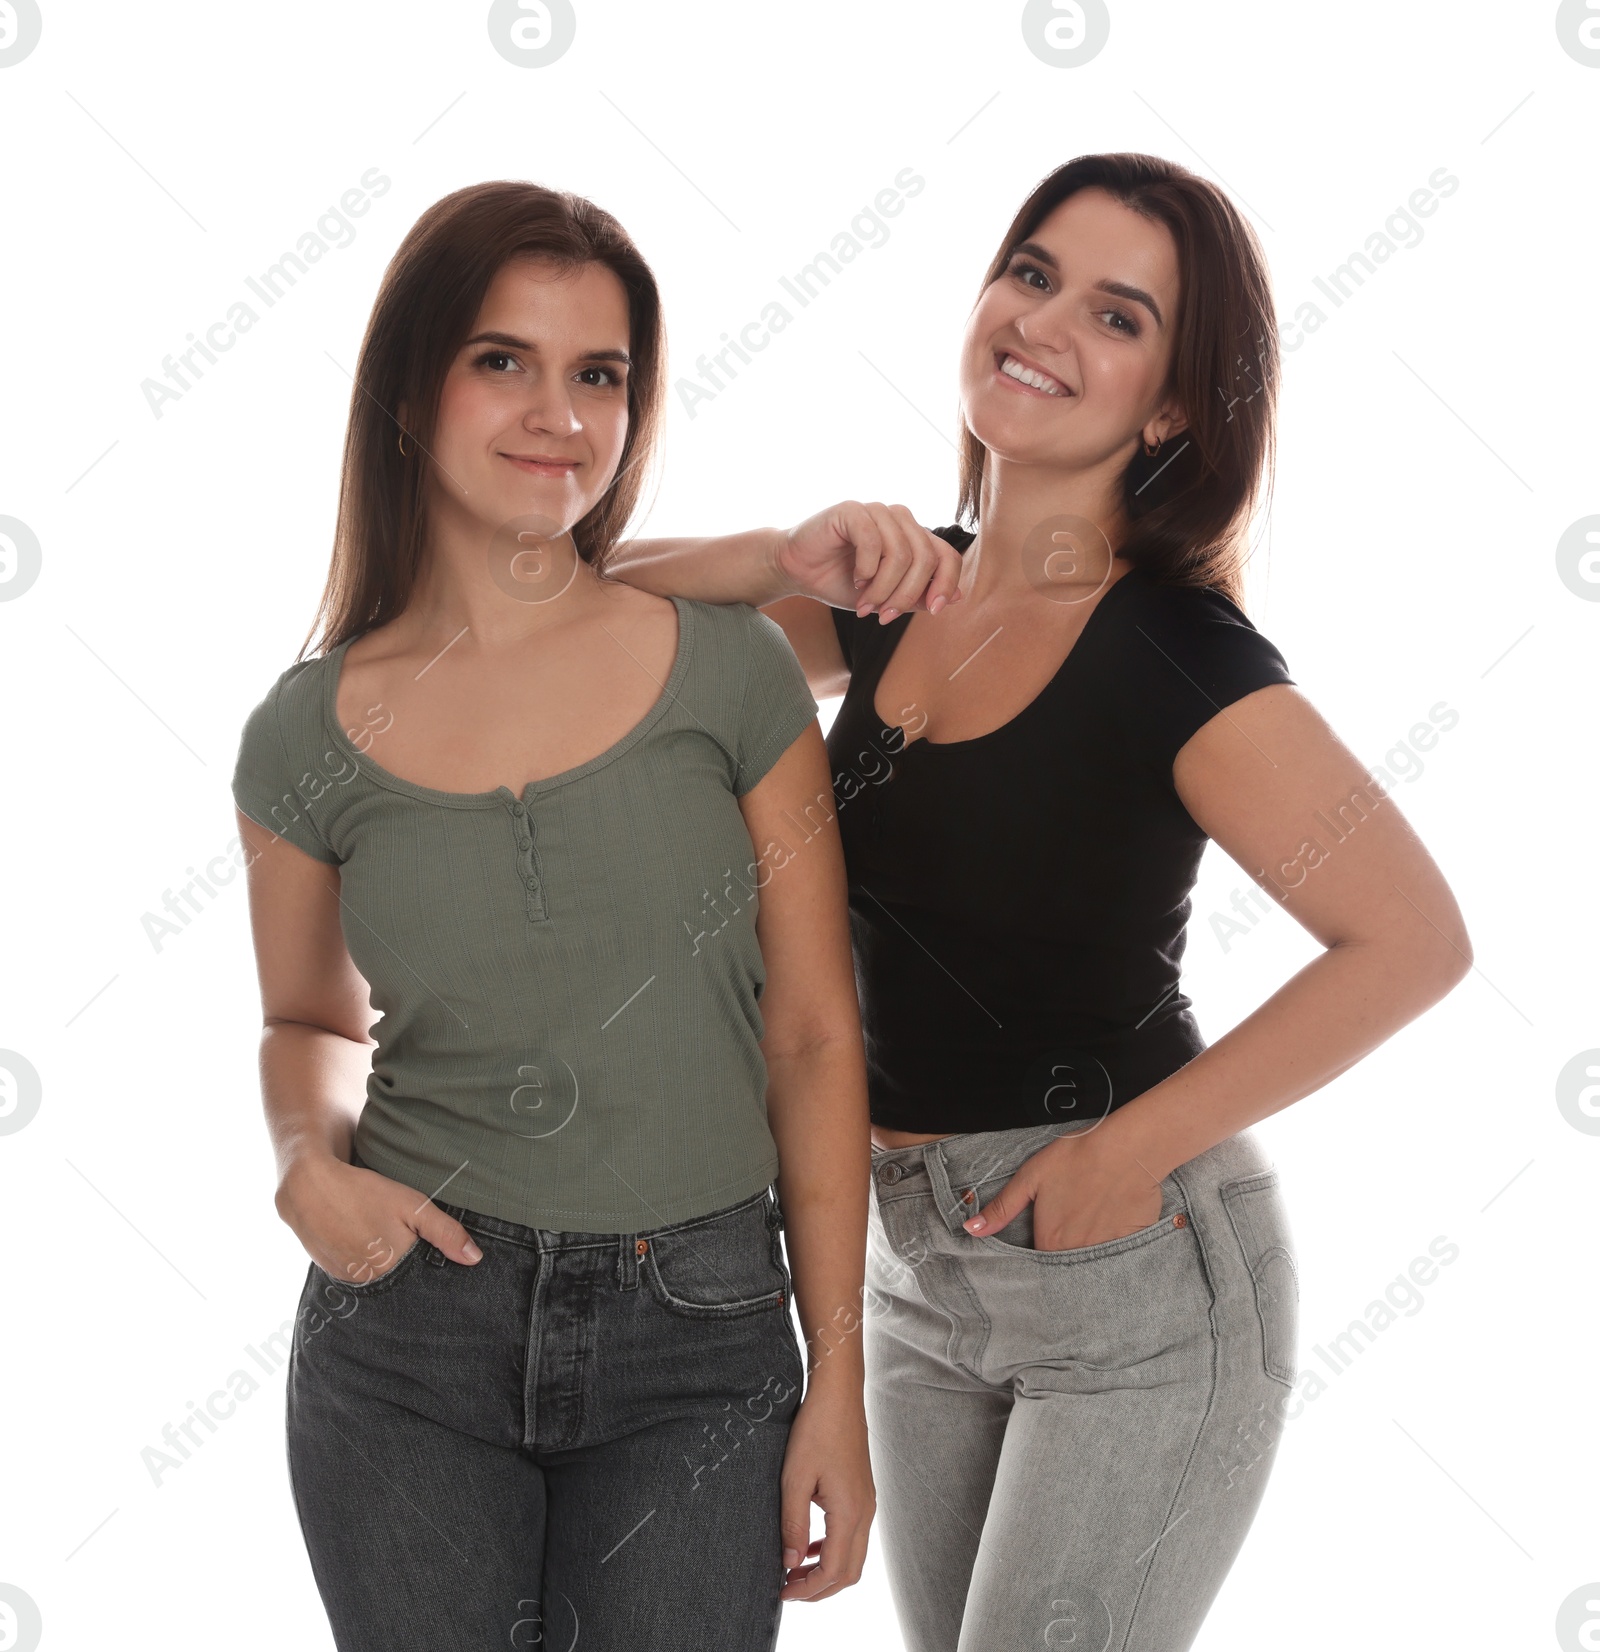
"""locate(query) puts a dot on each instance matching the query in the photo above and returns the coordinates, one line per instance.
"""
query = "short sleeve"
(264, 782)
(1193, 653)
(776, 705)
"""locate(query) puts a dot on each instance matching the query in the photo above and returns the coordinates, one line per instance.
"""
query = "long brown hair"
(1190, 506)
(431, 294)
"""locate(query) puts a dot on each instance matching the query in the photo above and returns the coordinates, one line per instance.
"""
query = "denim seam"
(1200, 1428)
(933, 1162)
(909, 1193)
(578, 1394)
(1233, 1195)
(531, 1373)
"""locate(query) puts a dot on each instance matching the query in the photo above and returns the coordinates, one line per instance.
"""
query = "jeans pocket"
(718, 1266)
(369, 1282)
(1261, 1225)
(1021, 1241)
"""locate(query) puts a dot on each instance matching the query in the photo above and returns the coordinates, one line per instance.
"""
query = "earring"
(1151, 452)
(400, 442)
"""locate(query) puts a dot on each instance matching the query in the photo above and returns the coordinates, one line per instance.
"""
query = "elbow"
(1443, 964)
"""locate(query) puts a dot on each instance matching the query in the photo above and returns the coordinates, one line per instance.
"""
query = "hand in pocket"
(1086, 1189)
(357, 1225)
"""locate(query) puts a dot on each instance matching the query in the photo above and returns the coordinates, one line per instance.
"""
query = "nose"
(1046, 331)
(550, 411)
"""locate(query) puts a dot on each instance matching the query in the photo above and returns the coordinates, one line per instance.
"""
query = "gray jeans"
(1069, 1446)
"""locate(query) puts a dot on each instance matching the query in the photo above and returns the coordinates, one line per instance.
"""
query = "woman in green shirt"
(564, 837)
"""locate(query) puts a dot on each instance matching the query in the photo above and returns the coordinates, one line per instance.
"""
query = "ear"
(1167, 423)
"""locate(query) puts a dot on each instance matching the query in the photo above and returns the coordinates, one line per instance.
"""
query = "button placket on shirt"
(527, 860)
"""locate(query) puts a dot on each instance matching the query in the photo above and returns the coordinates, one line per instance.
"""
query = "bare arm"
(1255, 778)
(865, 557)
(817, 1110)
(315, 1057)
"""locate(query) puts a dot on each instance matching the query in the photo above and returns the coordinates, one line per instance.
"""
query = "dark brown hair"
(431, 294)
(1190, 506)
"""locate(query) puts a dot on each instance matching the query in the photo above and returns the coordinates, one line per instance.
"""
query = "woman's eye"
(606, 375)
(1023, 271)
(1129, 325)
(495, 356)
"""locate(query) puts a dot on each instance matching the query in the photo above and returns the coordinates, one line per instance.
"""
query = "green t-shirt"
(567, 981)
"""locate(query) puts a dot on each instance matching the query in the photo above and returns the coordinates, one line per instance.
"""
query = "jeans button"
(891, 1172)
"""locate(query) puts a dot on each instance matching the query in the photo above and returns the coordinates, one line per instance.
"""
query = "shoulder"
(1186, 622)
(1178, 656)
(1172, 604)
(294, 701)
(737, 633)
(294, 688)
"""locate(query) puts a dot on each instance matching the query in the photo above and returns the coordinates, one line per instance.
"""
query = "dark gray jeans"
(575, 1440)
(1069, 1446)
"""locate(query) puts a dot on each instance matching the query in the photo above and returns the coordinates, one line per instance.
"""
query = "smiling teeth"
(1014, 369)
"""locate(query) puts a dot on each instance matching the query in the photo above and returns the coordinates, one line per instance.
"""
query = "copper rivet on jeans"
(966, 1198)
(641, 1246)
(1180, 1220)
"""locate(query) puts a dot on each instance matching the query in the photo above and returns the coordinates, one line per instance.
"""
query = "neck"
(501, 591)
(1016, 501)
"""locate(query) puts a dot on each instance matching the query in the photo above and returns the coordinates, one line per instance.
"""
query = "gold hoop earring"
(400, 442)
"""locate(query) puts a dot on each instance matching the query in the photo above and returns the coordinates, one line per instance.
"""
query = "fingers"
(841, 1557)
(1003, 1207)
(447, 1233)
(899, 564)
(794, 1523)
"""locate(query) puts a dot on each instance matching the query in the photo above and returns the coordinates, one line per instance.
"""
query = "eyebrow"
(1135, 295)
(510, 341)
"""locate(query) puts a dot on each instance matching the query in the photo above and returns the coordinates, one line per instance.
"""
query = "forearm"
(735, 567)
(817, 1109)
(1339, 1008)
(313, 1085)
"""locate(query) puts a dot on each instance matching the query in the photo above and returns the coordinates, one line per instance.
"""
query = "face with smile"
(1066, 353)
(533, 413)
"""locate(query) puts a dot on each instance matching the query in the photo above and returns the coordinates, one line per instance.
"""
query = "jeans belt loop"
(627, 1262)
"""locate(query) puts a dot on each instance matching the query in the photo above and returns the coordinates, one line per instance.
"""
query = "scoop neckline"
(333, 662)
(907, 747)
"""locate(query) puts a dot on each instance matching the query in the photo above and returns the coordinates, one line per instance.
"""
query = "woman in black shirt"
(1080, 1318)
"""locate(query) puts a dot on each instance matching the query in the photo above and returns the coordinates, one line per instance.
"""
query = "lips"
(1029, 374)
(539, 464)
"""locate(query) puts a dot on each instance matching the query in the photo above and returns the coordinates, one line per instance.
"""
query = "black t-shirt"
(1018, 901)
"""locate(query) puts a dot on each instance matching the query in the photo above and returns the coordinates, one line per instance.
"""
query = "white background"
(1437, 438)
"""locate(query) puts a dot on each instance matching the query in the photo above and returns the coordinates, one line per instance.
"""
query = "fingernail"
(471, 1252)
(936, 605)
(976, 1225)
(791, 1557)
(861, 579)
(888, 614)
(863, 610)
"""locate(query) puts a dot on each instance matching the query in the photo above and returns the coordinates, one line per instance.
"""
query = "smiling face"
(533, 413)
(1066, 353)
